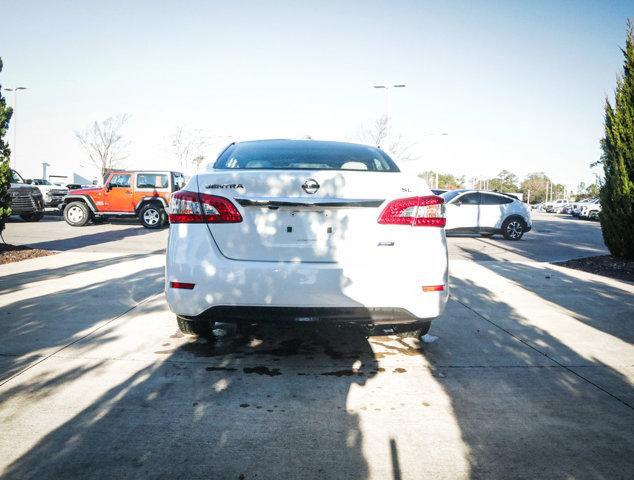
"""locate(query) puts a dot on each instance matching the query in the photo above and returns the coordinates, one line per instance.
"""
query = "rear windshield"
(304, 155)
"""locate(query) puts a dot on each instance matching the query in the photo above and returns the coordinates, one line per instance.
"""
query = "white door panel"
(464, 212)
(491, 215)
(463, 216)
(494, 209)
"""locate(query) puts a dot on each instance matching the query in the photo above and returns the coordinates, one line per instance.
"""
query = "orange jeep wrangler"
(142, 194)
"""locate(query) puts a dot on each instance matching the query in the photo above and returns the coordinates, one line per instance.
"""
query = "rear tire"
(152, 216)
(201, 328)
(513, 228)
(76, 214)
(32, 217)
(412, 330)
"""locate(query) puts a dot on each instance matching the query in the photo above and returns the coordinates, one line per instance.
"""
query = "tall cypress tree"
(5, 174)
(617, 193)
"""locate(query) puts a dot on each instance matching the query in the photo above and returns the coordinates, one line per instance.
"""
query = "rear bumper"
(363, 291)
(334, 315)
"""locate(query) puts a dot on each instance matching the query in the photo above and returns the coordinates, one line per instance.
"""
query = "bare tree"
(376, 133)
(197, 161)
(104, 142)
(380, 134)
(188, 147)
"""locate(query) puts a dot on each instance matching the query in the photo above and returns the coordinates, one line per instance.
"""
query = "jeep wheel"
(513, 228)
(76, 214)
(32, 217)
(152, 216)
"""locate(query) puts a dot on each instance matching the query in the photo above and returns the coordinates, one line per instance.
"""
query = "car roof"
(145, 171)
(302, 142)
(470, 190)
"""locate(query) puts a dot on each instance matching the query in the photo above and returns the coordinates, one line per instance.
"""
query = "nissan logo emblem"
(310, 186)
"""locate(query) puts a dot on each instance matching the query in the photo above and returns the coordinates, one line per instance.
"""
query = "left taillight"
(428, 211)
(192, 207)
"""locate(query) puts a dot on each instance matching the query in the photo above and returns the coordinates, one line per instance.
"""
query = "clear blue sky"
(517, 85)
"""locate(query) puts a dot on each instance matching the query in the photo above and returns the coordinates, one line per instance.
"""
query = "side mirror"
(29, 181)
(458, 203)
(108, 187)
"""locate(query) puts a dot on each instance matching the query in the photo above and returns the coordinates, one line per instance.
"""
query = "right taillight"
(192, 207)
(426, 211)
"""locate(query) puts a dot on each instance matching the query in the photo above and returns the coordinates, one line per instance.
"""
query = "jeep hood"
(83, 191)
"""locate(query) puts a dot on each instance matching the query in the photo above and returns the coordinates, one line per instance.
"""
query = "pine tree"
(617, 191)
(5, 173)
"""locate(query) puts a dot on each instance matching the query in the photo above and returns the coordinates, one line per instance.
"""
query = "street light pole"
(15, 122)
(387, 89)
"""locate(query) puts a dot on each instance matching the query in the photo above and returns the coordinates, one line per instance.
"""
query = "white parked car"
(486, 213)
(306, 231)
(53, 194)
(554, 205)
(577, 206)
(590, 210)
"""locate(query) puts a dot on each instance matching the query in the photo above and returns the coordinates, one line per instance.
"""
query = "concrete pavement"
(531, 377)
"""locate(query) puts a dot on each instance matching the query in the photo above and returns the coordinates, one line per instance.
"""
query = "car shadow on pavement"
(270, 403)
(548, 409)
(598, 302)
(15, 281)
(37, 325)
(91, 239)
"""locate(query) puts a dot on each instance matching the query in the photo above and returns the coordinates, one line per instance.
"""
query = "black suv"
(26, 200)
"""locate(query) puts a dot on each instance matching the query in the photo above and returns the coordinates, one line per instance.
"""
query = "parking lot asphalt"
(116, 236)
(530, 376)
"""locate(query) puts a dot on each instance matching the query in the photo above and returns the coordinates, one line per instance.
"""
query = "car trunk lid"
(303, 216)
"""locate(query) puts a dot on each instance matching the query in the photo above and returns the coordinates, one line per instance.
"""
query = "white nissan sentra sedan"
(306, 231)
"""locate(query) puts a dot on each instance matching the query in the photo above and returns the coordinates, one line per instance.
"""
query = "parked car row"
(588, 209)
(141, 194)
(274, 223)
(146, 195)
(29, 197)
